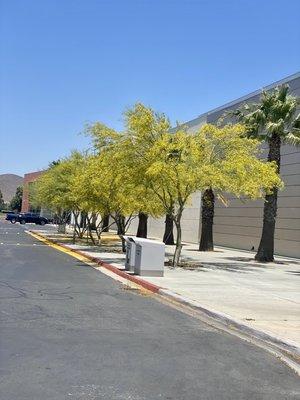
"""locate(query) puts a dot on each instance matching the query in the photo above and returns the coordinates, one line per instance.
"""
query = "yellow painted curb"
(58, 247)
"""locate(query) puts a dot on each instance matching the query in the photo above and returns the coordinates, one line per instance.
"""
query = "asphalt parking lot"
(70, 332)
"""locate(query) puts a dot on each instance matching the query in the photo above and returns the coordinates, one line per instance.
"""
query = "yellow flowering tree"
(54, 189)
(215, 158)
(144, 127)
(174, 174)
(105, 187)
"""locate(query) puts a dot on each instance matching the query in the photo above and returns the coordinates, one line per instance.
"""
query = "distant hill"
(9, 184)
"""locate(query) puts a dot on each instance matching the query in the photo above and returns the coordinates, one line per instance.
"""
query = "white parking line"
(23, 244)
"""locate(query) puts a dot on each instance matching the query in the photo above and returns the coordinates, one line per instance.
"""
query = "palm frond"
(274, 115)
(296, 124)
(223, 199)
(293, 138)
(275, 127)
(282, 92)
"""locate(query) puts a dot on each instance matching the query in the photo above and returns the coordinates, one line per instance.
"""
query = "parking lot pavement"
(264, 297)
(70, 332)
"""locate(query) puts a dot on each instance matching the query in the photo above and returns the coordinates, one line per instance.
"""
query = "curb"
(288, 348)
(139, 281)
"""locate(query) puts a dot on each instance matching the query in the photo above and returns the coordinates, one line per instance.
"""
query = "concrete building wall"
(190, 222)
(239, 225)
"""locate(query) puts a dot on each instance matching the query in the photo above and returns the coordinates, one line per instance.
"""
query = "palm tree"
(168, 234)
(142, 229)
(207, 220)
(272, 120)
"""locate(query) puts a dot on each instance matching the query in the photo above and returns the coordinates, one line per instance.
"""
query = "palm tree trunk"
(265, 252)
(93, 221)
(120, 225)
(105, 223)
(168, 235)
(83, 220)
(121, 230)
(142, 228)
(207, 220)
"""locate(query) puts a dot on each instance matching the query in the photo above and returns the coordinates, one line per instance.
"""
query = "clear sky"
(68, 62)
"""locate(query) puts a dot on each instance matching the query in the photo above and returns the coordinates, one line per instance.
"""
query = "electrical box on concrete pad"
(149, 257)
(130, 253)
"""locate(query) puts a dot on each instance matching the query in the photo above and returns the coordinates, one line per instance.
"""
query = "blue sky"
(68, 62)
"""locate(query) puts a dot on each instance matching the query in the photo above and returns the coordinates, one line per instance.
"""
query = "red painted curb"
(139, 281)
(147, 285)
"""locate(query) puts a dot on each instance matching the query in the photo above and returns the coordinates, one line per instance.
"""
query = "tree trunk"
(207, 220)
(76, 224)
(93, 221)
(105, 223)
(74, 235)
(168, 235)
(142, 228)
(62, 218)
(120, 225)
(121, 230)
(61, 228)
(265, 252)
(178, 248)
(82, 225)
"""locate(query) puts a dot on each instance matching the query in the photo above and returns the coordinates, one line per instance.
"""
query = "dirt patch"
(191, 266)
(137, 290)
(108, 244)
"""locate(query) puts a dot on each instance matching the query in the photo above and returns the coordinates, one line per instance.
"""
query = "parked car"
(12, 217)
(24, 218)
(32, 218)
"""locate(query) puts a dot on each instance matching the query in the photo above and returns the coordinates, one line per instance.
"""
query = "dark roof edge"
(246, 97)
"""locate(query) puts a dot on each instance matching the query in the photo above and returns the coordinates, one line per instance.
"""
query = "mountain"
(9, 184)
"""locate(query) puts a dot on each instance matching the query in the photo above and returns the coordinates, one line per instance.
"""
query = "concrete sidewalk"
(262, 296)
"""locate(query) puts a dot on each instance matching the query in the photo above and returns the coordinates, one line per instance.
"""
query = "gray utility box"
(130, 253)
(149, 257)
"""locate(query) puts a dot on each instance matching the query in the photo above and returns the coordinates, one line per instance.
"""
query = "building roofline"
(243, 98)
(33, 173)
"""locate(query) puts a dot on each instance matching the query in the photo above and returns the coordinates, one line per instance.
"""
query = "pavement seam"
(288, 352)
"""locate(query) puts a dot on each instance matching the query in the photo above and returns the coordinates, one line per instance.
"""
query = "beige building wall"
(190, 222)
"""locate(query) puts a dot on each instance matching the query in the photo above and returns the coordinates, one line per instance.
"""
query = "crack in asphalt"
(43, 294)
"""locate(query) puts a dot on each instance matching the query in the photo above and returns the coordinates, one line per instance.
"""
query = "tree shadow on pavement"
(297, 273)
(193, 265)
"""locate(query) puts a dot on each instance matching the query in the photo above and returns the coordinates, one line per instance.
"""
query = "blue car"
(24, 218)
